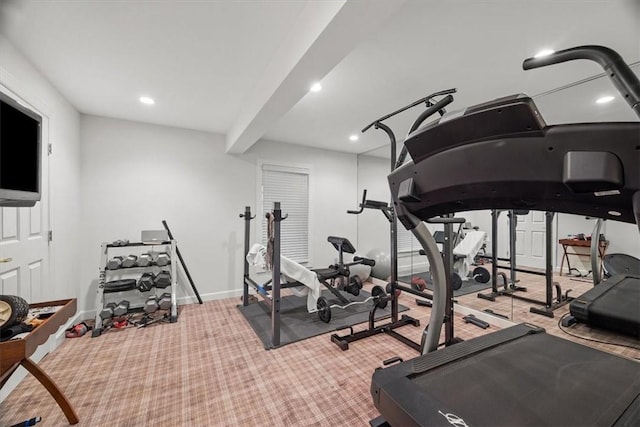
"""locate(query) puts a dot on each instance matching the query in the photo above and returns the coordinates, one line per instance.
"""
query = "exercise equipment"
(390, 213)
(13, 310)
(612, 303)
(145, 260)
(115, 263)
(151, 305)
(363, 271)
(382, 269)
(164, 302)
(162, 279)
(184, 265)
(162, 259)
(121, 308)
(589, 169)
(300, 280)
(146, 282)
(130, 261)
(510, 286)
(107, 311)
(460, 385)
(121, 285)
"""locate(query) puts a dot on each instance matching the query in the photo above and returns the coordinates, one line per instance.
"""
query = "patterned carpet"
(210, 369)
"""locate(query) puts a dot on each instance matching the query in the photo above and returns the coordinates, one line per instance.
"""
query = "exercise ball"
(382, 269)
(360, 270)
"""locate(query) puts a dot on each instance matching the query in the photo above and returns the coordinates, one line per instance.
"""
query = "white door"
(24, 237)
(530, 240)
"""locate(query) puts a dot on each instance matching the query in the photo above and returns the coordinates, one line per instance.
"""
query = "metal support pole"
(548, 256)
(447, 254)
(494, 249)
(247, 231)
(275, 292)
(513, 223)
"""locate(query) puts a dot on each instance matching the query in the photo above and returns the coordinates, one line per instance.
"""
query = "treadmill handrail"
(624, 79)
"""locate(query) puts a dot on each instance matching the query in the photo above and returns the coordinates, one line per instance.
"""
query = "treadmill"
(519, 375)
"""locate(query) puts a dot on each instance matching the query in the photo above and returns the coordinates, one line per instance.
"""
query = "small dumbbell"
(146, 282)
(107, 311)
(114, 263)
(130, 261)
(145, 260)
(122, 308)
(165, 301)
(163, 259)
(162, 279)
(151, 304)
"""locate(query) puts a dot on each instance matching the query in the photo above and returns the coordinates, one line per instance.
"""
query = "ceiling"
(243, 68)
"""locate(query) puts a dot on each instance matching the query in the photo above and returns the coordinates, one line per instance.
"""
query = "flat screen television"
(20, 154)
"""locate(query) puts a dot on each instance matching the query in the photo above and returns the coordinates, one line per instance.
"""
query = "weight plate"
(377, 291)
(481, 275)
(324, 310)
(456, 281)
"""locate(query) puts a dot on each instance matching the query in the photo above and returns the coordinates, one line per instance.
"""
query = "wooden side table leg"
(53, 389)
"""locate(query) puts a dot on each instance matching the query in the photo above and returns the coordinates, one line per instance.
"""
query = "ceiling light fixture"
(353, 138)
(316, 87)
(605, 99)
(544, 52)
(147, 100)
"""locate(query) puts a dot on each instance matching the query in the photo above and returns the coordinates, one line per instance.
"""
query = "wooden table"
(576, 243)
(15, 353)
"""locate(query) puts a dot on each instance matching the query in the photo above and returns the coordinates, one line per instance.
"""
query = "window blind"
(290, 187)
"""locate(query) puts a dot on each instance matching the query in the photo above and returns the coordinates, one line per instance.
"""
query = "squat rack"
(273, 284)
(510, 287)
(433, 107)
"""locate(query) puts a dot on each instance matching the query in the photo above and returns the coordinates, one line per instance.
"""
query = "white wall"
(25, 81)
(134, 175)
(19, 76)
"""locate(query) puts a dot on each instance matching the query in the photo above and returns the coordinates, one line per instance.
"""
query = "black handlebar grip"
(365, 261)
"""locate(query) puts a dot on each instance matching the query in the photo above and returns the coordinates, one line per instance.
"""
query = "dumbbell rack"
(107, 249)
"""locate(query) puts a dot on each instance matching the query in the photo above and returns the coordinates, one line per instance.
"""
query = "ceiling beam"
(323, 35)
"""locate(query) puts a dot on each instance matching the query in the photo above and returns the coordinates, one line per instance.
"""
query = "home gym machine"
(589, 169)
(390, 294)
(336, 278)
(509, 286)
(613, 301)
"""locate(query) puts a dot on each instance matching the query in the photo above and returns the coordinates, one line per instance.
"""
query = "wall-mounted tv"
(20, 158)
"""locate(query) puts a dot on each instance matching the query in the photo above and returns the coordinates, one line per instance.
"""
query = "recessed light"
(544, 52)
(353, 138)
(147, 100)
(614, 213)
(605, 99)
(316, 87)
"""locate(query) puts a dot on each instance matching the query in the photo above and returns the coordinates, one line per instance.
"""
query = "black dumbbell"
(146, 282)
(114, 263)
(130, 261)
(122, 308)
(107, 311)
(162, 279)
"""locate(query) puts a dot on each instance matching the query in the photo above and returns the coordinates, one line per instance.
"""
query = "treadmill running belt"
(613, 304)
(534, 380)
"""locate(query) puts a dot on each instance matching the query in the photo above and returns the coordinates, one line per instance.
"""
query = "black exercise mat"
(297, 324)
(468, 286)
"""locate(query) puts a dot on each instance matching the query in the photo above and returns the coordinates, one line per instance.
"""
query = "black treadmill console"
(511, 116)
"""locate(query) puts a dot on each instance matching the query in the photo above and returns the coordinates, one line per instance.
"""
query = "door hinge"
(51, 235)
(50, 148)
